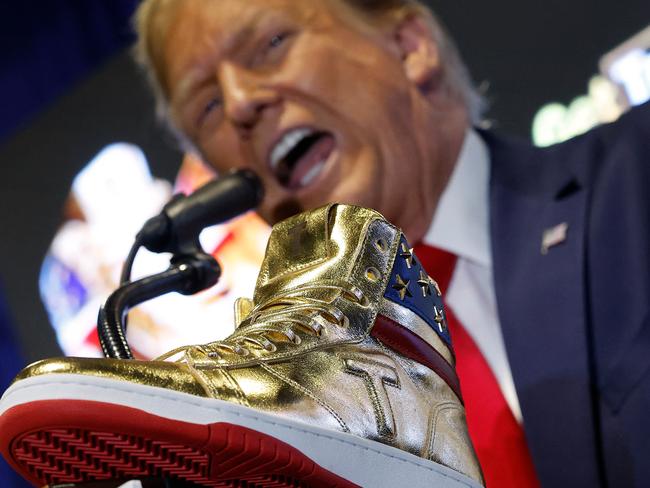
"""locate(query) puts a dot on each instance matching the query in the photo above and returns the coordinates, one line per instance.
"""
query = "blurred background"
(77, 123)
(83, 161)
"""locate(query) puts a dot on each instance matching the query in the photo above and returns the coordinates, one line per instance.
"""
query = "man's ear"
(420, 52)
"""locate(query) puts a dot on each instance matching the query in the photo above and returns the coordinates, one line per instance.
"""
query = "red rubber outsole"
(65, 441)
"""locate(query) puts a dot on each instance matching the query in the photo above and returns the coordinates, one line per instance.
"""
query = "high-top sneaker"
(339, 374)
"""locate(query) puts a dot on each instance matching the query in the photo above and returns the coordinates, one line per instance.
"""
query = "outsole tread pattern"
(54, 448)
(73, 455)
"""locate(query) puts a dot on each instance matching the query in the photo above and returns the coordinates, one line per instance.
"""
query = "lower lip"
(311, 166)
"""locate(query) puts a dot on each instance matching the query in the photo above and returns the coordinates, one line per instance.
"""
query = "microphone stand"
(187, 274)
(176, 230)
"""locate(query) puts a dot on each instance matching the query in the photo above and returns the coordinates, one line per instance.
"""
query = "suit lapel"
(542, 307)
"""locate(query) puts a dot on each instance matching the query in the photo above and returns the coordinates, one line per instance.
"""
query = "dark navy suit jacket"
(576, 321)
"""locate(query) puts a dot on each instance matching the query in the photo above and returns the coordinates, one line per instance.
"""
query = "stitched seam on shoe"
(253, 417)
(305, 391)
(234, 387)
(356, 271)
(399, 361)
(438, 409)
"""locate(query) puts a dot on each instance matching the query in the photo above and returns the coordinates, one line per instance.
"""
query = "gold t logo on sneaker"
(376, 376)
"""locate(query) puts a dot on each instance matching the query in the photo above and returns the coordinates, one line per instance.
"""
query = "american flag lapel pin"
(554, 236)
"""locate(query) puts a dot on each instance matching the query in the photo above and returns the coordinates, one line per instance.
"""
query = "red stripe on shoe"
(412, 346)
(77, 441)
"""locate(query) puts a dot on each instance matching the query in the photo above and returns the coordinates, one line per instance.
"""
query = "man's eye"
(211, 105)
(273, 49)
(278, 39)
(206, 110)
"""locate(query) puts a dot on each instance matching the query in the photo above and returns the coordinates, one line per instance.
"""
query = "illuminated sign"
(556, 122)
(632, 72)
(624, 82)
(629, 67)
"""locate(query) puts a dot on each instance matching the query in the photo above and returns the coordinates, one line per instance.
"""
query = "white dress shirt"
(461, 226)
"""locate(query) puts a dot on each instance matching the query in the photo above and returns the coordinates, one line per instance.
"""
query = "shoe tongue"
(320, 244)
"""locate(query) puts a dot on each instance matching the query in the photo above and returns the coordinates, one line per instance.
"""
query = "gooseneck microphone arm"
(176, 230)
(187, 276)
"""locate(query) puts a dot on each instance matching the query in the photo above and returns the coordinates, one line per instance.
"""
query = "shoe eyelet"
(373, 274)
(357, 297)
(271, 348)
(381, 245)
(318, 329)
(213, 355)
(297, 340)
(363, 301)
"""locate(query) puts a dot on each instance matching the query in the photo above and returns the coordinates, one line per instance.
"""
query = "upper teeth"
(286, 144)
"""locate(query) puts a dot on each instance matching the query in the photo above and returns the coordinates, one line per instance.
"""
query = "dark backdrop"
(67, 87)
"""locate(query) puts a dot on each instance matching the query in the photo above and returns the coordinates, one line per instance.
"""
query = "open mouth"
(300, 156)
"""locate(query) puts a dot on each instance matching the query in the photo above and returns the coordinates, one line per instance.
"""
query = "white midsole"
(367, 463)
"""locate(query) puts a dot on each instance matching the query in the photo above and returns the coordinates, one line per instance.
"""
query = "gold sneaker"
(340, 374)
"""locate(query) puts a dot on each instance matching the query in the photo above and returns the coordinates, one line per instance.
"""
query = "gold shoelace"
(276, 320)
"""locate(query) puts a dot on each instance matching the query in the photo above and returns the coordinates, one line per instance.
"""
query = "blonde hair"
(456, 76)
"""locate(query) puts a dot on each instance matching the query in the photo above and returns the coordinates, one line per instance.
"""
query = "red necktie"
(498, 438)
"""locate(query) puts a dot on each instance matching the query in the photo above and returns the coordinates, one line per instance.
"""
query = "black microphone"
(176, 228)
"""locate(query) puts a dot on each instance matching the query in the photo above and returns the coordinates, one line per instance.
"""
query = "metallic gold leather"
(303, 348)
(172, 376)
(243, 308)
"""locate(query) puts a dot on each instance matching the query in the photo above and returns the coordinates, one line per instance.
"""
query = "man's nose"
(246, 95)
